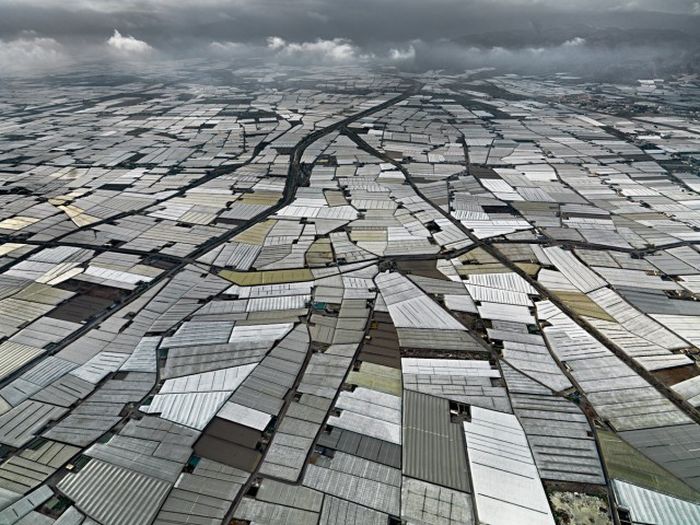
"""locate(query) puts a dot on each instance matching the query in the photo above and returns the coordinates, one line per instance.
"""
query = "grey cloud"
(624, 62)
(363, 21)
(336, 51)
(546, 32)
(127, 45)
(29, 53)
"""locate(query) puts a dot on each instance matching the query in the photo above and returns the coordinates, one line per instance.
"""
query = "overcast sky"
(41, 33)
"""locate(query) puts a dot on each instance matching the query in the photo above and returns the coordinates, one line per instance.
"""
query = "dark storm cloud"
(363, 21)
(409, 32)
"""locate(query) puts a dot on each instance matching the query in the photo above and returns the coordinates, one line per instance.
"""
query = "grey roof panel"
(342, 512)
(423, 502)
(203, 496)
(673, 447)
(559, 434)
(370, 484)
(28, 469)
(23, 507)
(649, 506)
(433, 446)
(114, 495)
(363, 446)
(20, 425)
(290, 495)
(256, 511)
